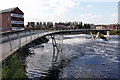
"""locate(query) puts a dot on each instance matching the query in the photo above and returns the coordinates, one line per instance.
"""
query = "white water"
(89, 58)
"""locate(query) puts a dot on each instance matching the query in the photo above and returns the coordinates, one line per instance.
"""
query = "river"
(80, 58)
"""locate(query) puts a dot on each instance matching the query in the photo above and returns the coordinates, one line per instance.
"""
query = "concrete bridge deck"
(11, 43)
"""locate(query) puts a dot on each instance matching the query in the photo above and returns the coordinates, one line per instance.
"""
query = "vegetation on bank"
(115, 32)
(13, 67)
(102, 36)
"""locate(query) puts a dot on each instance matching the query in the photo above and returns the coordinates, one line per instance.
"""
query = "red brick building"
(111, 26)
(115, 26)
(11, 19)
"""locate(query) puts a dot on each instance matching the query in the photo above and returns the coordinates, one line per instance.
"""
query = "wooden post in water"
(92, 35)
(107, 35)
(62, 46)
(97, 35)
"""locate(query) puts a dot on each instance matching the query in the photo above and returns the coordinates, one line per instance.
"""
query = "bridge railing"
(11, 42)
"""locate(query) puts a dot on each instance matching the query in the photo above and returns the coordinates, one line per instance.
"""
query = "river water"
(79, 58)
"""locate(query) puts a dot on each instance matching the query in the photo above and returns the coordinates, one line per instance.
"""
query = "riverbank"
(115, 32)
(14, 66)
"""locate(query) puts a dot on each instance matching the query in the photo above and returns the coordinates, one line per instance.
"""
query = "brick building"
(115, 26)
(11, 19)
(111, 26)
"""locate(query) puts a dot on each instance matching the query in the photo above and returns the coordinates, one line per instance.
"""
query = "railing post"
(26, 36)
(37, 35)
(19, 40)
(9, 42)
(30, 36)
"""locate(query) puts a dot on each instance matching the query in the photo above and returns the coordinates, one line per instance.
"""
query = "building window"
(8, 18)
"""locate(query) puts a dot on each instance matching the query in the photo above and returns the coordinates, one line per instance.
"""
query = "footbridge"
(12, 42)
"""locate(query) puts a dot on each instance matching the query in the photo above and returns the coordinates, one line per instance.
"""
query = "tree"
(38, 26)
(37, 23)
(33, 24)
(29, 24)
(79, 26)
(87, 26)
(40, 23)
(44, 23)
(50, 24)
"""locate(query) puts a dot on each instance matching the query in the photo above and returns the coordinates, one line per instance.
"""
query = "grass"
(13, 67)
(101, 35)
(115, 32)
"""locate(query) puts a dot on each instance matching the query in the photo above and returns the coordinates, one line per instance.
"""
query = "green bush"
(13, 67)
(115, 32)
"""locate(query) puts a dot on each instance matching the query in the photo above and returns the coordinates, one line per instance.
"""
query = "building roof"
(8, 10)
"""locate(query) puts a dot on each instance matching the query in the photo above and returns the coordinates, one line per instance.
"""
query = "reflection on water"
(81, 58)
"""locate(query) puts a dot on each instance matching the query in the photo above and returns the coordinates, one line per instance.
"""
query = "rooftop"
(7, 10)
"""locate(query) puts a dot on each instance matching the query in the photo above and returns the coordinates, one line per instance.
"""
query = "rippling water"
(83, 58)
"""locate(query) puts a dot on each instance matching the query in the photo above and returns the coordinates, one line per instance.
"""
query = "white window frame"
(17, 15)
(17, 22)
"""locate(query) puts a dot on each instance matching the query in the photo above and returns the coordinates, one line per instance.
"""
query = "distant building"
(98, 27)
(11, 19)
(115, 26)
(111, 26)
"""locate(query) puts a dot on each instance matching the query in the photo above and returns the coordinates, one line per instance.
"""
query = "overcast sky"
(87, 11)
